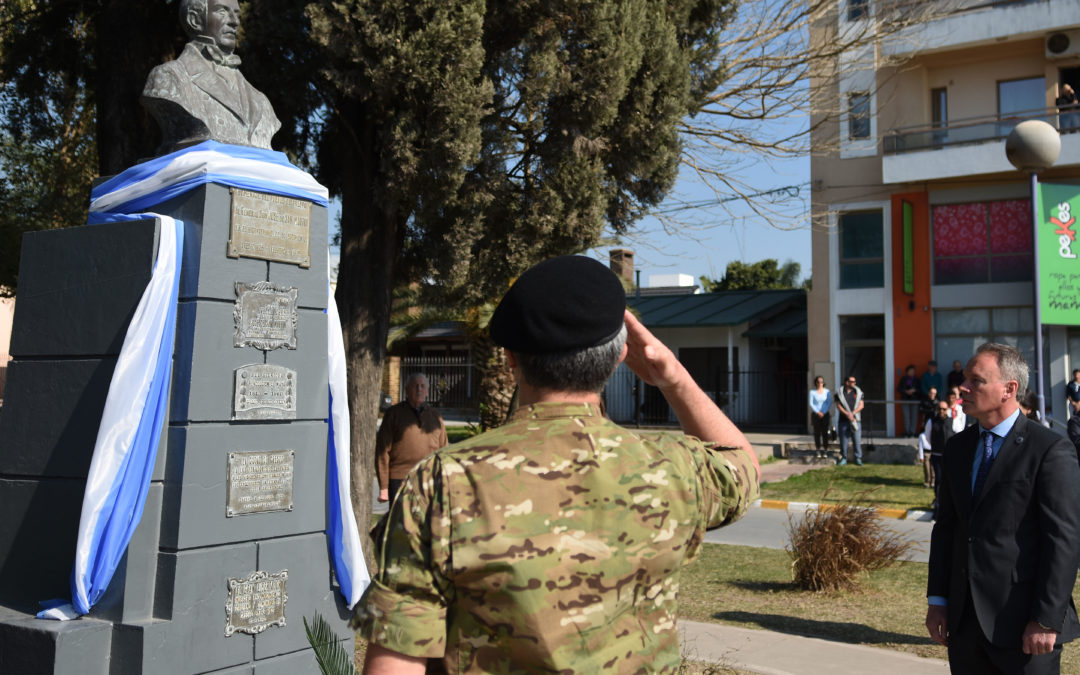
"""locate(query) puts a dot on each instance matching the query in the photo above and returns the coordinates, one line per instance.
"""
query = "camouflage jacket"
(551, 544)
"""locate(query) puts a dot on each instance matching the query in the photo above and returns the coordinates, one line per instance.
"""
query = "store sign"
(1057, 248)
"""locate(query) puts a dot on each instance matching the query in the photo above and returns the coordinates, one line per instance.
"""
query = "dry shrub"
(830, 547)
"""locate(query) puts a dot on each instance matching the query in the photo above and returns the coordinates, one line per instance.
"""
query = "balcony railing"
(973, 130)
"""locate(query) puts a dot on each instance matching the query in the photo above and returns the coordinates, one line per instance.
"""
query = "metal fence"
(452, 381)
(764, 399)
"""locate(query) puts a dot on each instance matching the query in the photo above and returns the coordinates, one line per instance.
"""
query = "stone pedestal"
(239, 487)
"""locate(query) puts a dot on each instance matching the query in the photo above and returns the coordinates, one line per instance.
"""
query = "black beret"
(563, 304)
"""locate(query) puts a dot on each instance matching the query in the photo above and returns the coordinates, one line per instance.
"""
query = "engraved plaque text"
(256, 603)
(264, 392)
(264, 316)
(259, 482)
(270, 227)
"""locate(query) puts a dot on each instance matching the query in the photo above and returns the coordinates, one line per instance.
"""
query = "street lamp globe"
(1033, 146)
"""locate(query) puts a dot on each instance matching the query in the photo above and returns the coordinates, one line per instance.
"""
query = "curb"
(895, 514)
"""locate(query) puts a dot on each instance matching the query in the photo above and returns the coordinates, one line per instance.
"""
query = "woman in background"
(820, 407)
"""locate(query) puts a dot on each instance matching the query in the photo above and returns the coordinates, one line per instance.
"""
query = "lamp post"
(1032, 147)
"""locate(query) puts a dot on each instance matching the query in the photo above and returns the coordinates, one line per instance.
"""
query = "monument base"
(230, 554)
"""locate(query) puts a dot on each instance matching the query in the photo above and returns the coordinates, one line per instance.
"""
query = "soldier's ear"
(622, 354)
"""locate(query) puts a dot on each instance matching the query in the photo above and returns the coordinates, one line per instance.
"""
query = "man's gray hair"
(414, 377)
(197, 6)
(1010, 362)
(585, 370)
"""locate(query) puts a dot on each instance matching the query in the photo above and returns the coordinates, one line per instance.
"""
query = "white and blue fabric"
(160, 179)
(349, 566)
(136, 406)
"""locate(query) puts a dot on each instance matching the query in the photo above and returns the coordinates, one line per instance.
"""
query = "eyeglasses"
(943, 408)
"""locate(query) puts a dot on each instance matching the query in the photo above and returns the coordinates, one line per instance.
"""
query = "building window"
(862, 252)
(982, 242)
(862, 354)
(859, 115)
(858, 9)
(958, 332)
(939, 106)
(1017, 96)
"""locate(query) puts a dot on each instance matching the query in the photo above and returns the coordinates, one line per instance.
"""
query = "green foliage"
(459, 433)
(763, 275)
(332, 657)
(503, 133)
(71, 73)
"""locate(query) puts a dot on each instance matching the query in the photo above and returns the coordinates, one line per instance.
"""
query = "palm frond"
(332, 657)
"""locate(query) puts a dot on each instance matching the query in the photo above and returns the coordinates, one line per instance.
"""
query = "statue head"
(214, 20)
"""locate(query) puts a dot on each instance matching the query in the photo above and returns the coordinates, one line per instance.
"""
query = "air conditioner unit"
(1063, 44)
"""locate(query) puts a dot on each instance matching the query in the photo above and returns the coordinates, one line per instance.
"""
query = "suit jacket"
(193, 102)
(1013, 552)
(1073, 431)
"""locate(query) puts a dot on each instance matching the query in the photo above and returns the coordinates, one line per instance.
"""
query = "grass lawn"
(895, 486)
(751, 587)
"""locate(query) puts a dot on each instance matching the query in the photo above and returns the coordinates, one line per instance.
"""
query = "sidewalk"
(772, 653)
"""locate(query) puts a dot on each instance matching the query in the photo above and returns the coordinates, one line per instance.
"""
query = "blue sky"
(708, 235)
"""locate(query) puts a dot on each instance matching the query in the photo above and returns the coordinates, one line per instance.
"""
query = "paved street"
(768, 528)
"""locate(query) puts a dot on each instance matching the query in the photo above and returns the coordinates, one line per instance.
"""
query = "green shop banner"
(1057, 248)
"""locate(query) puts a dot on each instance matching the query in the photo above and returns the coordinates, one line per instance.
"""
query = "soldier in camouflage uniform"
(555, 543)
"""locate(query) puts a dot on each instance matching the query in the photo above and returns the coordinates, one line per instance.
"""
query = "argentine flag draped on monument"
(136, 409)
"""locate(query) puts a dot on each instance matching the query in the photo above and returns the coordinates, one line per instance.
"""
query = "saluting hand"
(649, 358)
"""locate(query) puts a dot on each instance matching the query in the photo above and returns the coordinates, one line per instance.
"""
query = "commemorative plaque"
(264, 392)
(259, 482)
(256, 603)
(264, 316)
(270, 227)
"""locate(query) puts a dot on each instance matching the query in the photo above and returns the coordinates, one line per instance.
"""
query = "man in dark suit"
(1004, 550)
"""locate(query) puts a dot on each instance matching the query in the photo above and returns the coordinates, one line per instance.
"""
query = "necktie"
(984, 465)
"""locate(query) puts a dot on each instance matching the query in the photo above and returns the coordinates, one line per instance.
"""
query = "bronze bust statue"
(202, 95)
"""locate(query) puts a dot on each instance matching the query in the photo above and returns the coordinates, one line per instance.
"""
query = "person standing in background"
(849, 403)
(931, 378)
(938, 431)
(1068, 109)
(908, 390)
(1072, 391)
(927, 406)
(410, 431)
(956, 376)
(820, 409)
(956, 410)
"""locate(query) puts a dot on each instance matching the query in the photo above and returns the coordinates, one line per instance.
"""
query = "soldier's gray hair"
(585, 370)
(1010, 362)
(186, 7)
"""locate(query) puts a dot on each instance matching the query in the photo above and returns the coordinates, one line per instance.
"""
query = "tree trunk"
(133, 36)
(369, 248)
(496, 382)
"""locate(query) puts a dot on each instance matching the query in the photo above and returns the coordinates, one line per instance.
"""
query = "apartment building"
(922, 241)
